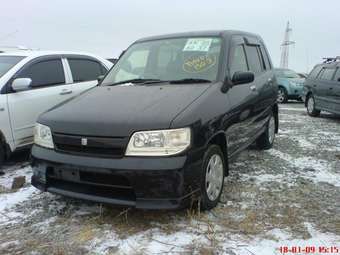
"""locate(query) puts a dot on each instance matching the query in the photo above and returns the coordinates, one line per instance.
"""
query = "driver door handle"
(65, 92)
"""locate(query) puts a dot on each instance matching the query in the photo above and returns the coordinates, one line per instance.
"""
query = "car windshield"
(190, 59)
(287, 74)
(7, 62)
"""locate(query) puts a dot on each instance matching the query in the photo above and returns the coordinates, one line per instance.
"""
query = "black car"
(322, 88)
(163, 125)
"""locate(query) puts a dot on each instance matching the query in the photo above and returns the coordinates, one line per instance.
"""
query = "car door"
(325, 88)
(241, 98)
(336, 91)
(49, 87)
(84, 72)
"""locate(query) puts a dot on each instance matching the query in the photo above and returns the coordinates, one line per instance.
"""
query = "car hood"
(120, 110)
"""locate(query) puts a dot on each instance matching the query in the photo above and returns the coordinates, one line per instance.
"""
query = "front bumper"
(141, 182)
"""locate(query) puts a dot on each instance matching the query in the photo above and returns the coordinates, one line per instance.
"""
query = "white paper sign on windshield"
(198, 44)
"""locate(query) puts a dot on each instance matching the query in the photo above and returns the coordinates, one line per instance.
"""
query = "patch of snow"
(9, 200)
(149, 242)
(7, 179)
(315, 169)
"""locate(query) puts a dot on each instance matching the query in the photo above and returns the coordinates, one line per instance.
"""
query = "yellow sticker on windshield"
(197, 64)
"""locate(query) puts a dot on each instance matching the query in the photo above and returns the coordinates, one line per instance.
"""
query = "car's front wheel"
(311, 107)
(214, 168)
(282, 95)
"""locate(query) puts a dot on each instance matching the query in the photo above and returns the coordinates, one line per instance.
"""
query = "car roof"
(212, 33)
(40, 53)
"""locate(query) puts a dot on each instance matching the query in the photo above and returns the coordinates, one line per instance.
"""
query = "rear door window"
(254, 59)
(327, 74)
(265, 58)
(44, 73)
(85, 69)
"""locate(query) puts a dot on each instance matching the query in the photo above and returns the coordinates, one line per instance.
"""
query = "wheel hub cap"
(280, 96)
(310, 105)
(214, 177)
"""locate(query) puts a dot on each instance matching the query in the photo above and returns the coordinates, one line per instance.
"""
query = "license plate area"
(67, 174)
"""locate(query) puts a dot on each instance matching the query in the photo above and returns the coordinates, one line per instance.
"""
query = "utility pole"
(285, 47)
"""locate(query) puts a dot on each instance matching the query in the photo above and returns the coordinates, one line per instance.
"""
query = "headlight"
(159, 142)
(43, 136)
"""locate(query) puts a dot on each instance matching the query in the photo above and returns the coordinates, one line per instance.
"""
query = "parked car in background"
(322, 88)
(32, 82)
(290, 85)
(161, 129)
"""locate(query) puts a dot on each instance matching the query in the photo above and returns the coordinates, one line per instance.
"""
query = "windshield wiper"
(190, 80)
(137, 81)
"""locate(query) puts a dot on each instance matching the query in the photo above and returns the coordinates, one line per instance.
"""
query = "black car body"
(199, 124)
(322, 88)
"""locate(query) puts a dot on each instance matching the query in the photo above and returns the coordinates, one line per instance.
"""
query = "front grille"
(95, 146)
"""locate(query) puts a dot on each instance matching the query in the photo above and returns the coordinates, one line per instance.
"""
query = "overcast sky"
(107, 27)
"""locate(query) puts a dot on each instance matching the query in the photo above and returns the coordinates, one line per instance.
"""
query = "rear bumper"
(141, 182)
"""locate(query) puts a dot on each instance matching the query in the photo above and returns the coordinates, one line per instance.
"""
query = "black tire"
(266, 140)
(310, 105)
(2, 154)
(206, 202)
(282, 95)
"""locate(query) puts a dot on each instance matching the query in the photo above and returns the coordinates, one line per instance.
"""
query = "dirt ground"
(286, 196)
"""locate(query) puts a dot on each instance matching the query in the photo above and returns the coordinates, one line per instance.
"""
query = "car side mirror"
(100, 78)
(242, 78)
(21, 84)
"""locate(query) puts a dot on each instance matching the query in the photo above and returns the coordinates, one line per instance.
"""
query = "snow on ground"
(286, 196)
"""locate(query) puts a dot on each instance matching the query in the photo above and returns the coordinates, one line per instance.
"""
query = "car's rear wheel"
(311, 107)
(282, 95)
(266, 140)
(213, 177)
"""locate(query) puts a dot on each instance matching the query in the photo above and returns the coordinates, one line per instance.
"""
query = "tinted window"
(238, 60)
(327, 74)
(85, 70)
(45, 73)
(337, 74)
(254, 60)
(314, 73)
(7, 62)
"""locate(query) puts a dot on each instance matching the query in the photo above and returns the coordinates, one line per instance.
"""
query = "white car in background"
(31, 82)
